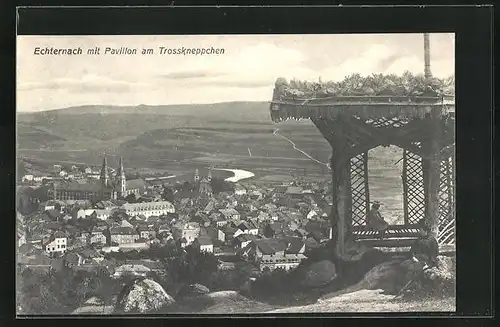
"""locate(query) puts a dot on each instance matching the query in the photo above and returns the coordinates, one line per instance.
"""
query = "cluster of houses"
(58, 172)
(269, 227)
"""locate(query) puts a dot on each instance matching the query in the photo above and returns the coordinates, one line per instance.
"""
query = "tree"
(131, 198)
(168, 195)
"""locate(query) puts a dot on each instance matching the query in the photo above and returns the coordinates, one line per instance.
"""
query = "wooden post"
(342, 205)
(405, 187)
(449, 190)
(433, 180)
(367, 184)
(348, 204)
(425, 179)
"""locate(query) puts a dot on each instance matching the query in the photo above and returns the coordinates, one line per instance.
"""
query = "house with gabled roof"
(226, 233)
(56, 244)
(246, 227)
(123, 235)
(204, 244)
(270, 253)
(230, 214)
(145, 232)
(242, 240)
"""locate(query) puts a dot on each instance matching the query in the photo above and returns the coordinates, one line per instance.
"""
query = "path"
(301, 151)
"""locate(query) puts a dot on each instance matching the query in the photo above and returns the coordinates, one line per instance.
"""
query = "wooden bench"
(397, 238)
(394, 231)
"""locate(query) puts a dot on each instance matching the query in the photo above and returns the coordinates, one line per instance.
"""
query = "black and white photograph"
(235, 174)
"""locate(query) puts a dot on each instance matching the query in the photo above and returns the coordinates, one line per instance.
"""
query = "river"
(238, 174)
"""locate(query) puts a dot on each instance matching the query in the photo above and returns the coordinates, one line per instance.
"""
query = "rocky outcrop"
(438, 281)
(408, 276)
(142, 296)
(94, 306)
(192, 290)
(319, 274)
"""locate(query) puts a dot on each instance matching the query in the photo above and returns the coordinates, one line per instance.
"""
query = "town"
(95, 221)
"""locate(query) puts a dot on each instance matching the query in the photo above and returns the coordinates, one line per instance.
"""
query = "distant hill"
(252, 110)
(84, 125)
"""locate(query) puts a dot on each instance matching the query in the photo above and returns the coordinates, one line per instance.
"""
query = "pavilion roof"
(364, 107)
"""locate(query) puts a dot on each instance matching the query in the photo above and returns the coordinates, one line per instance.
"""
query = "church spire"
(209, 177)
(121, 176)
(196, 175)
(104, 172)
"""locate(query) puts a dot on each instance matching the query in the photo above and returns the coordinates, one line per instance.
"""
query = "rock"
(389, 276)
(94, 305)
(445, 269)
(439, 280)
(320, 274)
(143, 296)
(192, 290)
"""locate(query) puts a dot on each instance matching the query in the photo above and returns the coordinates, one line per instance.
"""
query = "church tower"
(122, 180)
(104, 172)
(196, 175)
(209, 177)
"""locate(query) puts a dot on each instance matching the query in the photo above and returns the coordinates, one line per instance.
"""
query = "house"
(145, 232)
(188, 231)
(56, 244)
(102, 214)
(27, 178)
(164, 228)
(78, 213)
(107, 205)
(274, 229)
(204, 244)
(226, 233)
(201, 219)
(242, 240)
(148, 208)
(312, 214)
(88, 170)
(97, 236)
(123, 235)
(263, 216)
(246, 227)
(230, 214)
(48, 205)
(269, 254)
(239, 190)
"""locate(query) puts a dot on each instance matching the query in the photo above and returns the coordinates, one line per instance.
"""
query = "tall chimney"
(427, 57)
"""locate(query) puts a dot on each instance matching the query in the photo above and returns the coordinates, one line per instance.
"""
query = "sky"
(246, 71)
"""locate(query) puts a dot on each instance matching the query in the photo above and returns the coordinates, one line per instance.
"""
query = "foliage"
(377, 84)
(220, 185)
(168, 195)
(274, 282)
(131, 198)
(62, 291)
